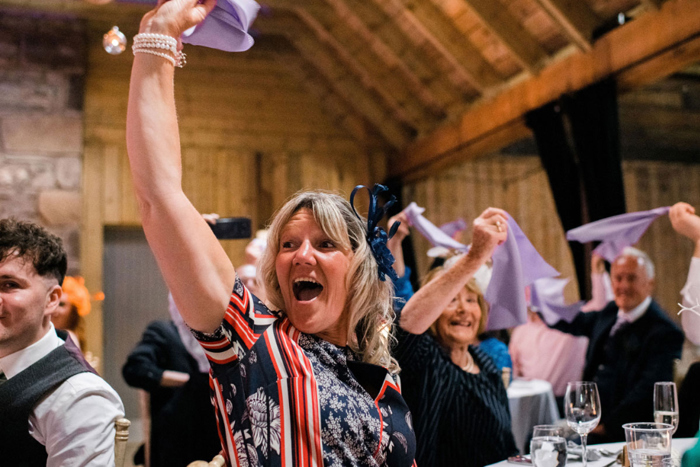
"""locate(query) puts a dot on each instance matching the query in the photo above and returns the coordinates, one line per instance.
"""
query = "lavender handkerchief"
(451, 228)
(226, 27)
(516, 264)
(547, 296)
(430, 231)
(616, 232)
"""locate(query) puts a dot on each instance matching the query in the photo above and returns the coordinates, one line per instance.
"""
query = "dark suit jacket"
(183, 423)
(645, 352)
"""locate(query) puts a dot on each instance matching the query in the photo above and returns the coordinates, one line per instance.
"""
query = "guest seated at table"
(454, 390)
(632, 345)
(486, 341)
(539, 352)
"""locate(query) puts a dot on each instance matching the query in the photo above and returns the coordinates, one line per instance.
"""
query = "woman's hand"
(394, 243)
(684, 221)
(490, 230)
(173, 17)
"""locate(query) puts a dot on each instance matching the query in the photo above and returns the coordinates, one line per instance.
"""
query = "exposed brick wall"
(42, 69)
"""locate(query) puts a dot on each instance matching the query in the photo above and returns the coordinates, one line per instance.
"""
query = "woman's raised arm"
(193, 263)
(428, 303)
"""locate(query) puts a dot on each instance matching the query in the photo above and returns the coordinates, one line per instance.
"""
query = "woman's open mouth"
(306, 289)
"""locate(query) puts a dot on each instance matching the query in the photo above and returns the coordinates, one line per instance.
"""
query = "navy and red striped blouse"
(285, 398)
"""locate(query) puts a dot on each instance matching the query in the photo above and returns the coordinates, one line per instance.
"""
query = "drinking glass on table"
(548, 446)
(666, 404)
(582, 410)
(648, 444)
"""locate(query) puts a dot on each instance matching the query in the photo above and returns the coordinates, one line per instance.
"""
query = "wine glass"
(666, 404)
(582, 409)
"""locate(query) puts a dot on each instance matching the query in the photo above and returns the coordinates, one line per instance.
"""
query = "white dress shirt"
(690, 319)
(75, 421)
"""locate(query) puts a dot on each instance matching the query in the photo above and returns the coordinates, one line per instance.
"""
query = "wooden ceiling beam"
(386, 66)
(653, 4)
(390, 62)
(497, 19)
(340, 111)
(576, 19)
(660, 35)
(433, 26)
(359, 92)
(310, 37)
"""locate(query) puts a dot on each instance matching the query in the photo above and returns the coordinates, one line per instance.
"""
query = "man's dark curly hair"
(34, 243)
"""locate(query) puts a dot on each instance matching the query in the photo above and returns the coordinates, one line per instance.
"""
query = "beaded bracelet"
(146, 42)
(154, 52)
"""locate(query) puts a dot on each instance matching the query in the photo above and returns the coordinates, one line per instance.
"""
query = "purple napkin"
(226, 27)
(429, 230)
(516, 264)
(616, 232)
(451, 228)
(547, 296)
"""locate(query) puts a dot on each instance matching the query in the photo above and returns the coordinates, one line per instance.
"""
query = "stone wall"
(42, 71)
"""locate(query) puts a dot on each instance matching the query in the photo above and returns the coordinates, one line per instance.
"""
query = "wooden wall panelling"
(92, 241)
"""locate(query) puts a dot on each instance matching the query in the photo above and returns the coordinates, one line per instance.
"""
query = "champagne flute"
(582, 409)
(666, 404)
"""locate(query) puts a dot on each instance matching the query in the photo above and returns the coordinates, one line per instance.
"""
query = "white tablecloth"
(679, 445)
(531, 403)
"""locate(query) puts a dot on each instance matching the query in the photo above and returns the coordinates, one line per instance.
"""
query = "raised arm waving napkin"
(616, 232)
(226, 27)
(516, 264)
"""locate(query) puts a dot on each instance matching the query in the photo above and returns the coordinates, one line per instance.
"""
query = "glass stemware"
(666, 404)
(582, 409)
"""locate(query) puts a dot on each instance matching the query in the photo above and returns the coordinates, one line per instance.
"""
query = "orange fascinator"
(78, 295)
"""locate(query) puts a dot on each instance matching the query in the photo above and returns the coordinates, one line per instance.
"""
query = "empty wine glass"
(582, 409)
(666, 404)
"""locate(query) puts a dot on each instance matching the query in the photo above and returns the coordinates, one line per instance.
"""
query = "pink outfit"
(542, 353)
(539, 352)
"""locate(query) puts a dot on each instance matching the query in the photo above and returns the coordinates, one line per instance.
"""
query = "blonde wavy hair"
(369, 304)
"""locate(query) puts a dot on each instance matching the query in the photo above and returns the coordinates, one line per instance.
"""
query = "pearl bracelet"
(146, 42)
(154, 52)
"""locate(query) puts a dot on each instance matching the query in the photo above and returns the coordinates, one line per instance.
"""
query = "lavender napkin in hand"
(226, 27)
(616, 232)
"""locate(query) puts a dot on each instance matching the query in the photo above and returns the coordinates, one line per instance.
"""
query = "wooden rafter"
(654, 4)
(663, 34)
(385, 66)
(359, 92)
(390, 61)
(526, 50)
(431, 25)
(576, 19)
(339, 110)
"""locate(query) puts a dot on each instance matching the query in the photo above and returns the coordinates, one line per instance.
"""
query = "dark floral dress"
(283, 397)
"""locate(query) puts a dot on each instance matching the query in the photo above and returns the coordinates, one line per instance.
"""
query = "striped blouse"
(285, 398)
(460, 418)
